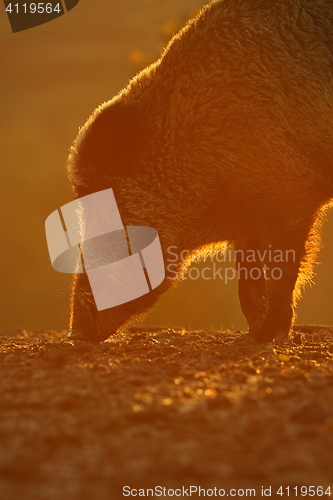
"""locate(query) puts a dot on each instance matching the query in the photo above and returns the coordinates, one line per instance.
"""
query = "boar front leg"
(252, 286)
(84, 319)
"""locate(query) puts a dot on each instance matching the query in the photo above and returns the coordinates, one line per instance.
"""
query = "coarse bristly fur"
(226, 138)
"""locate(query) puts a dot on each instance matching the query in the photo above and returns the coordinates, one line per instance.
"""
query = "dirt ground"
(164, 407)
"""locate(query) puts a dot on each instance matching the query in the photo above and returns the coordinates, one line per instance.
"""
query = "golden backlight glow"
(185, 404)
(52, 77)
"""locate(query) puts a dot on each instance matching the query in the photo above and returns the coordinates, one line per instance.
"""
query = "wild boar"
(226, 138)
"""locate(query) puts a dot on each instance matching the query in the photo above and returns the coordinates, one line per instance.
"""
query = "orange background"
(52, 77)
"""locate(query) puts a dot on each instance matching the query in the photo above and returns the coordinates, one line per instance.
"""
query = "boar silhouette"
(226, 138)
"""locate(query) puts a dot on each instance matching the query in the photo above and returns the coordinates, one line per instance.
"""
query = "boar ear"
(113, 140)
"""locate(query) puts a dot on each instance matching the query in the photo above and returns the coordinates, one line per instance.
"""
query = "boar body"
(226, 138)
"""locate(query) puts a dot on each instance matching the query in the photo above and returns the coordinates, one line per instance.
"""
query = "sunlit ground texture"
(163, 407)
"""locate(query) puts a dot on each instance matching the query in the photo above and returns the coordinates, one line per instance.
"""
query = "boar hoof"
(268, 334)
(83, 338)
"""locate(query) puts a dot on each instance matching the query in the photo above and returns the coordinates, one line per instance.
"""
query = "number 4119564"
(33, 8)
(304, 491)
